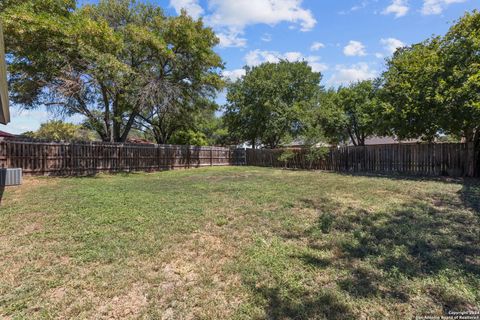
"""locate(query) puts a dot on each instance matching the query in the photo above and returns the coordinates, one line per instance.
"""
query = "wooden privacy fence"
(452, 159)
(74, 158)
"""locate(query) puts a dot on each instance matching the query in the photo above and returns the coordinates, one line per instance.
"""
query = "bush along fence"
(77, 158)
(442, 159)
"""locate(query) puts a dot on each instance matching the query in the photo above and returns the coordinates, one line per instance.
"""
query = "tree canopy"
(271, 103)
(58, 130)
(350, 114)
(109, 62)
(434, 87)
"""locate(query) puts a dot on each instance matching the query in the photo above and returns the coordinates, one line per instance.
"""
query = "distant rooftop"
(4, 134)
(371, 141)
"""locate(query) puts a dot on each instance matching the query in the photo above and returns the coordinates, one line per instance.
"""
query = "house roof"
(4, 134)
(375, 140)
(4, 107)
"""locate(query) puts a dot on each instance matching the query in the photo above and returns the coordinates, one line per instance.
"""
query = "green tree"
(286, 156)
(350, 113)
(189, 137)
(109, 62)
(459, 87)
(215, 130)
(47, 6)
(162, 122)
(433, 87)
(58, 130)
(271, 103)
(410, 89)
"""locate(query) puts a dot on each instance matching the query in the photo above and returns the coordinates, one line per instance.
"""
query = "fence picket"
(453, 159)
(45, 158)
(48, 158)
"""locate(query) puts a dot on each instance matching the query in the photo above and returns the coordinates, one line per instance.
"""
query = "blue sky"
(346, 40)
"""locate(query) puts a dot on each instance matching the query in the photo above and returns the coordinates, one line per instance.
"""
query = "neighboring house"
(374, 140)
(370, 141)
(4, 134)
(139, 141)
(300, 143)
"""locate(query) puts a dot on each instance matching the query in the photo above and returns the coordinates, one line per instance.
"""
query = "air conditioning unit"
(10, 177)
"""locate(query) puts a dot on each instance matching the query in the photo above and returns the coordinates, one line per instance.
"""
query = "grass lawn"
(239, 243)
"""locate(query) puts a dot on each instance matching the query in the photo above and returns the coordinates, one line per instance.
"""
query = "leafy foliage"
(189, 137)
(413, 107)
(271, 102)
(286, 156)
(109, 62)
(350, 113)
(434, 87)
(61, 131)
(316, 153)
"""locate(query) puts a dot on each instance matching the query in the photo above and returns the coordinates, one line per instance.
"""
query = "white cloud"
(361, 5)
(241, 13)
(229, 18)
(232, 16)
(347, 74)
(317, 46)
(230, 38)
(256, 57)
(391, 44)
(30, 120)
(233, 75)
(437, 6)
(293, 56)
(379, 55)
(354, 48)
(398, 7)
(315, 64)
(192, 6)
(267, 37)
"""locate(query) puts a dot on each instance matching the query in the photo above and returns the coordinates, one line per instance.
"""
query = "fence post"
(71, 158)
(470, 160)
(157, 147)
(45, 150)
(211, 156)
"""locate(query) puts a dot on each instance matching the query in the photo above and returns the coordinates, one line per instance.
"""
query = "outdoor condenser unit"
(10, 177)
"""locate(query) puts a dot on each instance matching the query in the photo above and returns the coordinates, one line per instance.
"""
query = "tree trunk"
(117, 121)
(128, 127)
(473, 136)
(352, 138)
(476, 155)
(106, 115)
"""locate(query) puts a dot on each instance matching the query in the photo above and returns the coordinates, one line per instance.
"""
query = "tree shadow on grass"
(470, 194)
(404, 176)
(419, 240)
(321, 305)
(408, 243)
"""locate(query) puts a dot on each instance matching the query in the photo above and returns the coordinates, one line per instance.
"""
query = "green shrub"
(286, 156)
(315, 154)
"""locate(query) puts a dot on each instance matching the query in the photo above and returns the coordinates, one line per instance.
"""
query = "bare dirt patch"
(15, 193)
(131, 304)
(194, 283)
